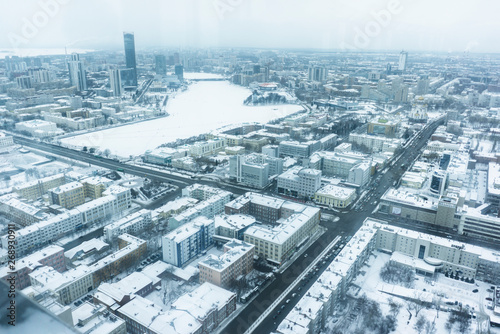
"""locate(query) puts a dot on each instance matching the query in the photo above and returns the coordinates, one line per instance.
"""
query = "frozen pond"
(204, 106)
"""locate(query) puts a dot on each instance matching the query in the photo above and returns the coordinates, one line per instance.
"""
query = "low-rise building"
(20, 212)
(335, 196)
(38, 128)
(232, 226)
(35, 189)
(131, 224)
(52, 256)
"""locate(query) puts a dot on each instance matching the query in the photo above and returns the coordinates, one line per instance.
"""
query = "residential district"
(373, 208)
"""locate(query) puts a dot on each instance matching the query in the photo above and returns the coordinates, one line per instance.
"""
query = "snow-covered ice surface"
(204, 106)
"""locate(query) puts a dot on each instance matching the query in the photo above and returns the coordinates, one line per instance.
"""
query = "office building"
(77, 74)
(130, 62)
(299, 182)
(254, 170)
(296, 149)
(39, 129)
(161, 64)
(115, 82)
(403, 61)
(179, 72)
(187, 241)
(5, 140)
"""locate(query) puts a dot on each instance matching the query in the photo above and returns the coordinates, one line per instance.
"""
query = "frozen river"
(204, 106)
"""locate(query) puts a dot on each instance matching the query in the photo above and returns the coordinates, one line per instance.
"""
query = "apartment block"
(131, 251)
(35, 189)
(67, 195)
(20, 212)
(277, 243)
(224, 269)
(68, 286)
(52, 256)
(187, 241)
(131, 224)
(41, 233)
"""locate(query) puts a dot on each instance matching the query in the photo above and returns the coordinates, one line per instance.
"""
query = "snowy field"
(204, 106)
(442, 288)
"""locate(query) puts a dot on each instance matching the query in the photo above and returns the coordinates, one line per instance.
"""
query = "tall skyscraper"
(161, 64)
(115, 81)
(179, 71)
(128, 39)
(77, 75)
(403, 59)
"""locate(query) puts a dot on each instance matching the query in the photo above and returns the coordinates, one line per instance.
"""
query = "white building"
(360, 174)
(335, 196)
(38, 128)
(277, 243)
(131, 224)
(299, 182)
(5, 140)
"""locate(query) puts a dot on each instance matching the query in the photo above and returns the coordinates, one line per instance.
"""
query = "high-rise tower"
(128, 39)
(77, 75)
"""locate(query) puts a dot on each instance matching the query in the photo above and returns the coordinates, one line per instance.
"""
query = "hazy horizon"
(342, 25)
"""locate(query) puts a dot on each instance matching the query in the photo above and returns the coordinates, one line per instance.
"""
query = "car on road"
(287, 301)
(475, 291)
(293, 295)
(305, 255)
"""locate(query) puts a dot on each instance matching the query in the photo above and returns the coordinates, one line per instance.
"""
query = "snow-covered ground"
(368, 282)
(204, 106)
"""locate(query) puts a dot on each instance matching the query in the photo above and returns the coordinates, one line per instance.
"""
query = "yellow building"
(68, 195)
(335, 196)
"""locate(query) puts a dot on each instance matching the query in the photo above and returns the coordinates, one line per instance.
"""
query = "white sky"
(427, 25)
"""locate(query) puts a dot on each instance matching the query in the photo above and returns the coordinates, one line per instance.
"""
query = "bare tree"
(420, 324)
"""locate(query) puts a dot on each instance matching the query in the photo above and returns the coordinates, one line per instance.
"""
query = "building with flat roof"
(299, 182)
(67, 195)
(297, 149)
(233, 226)
(224, 269)
(38, 128)
(335, 196)
(20, 212)
(52, 256)
(95, 319)
(132, 223)
(276, 243)
(187, 241)
(5, 140)
(35, 189)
